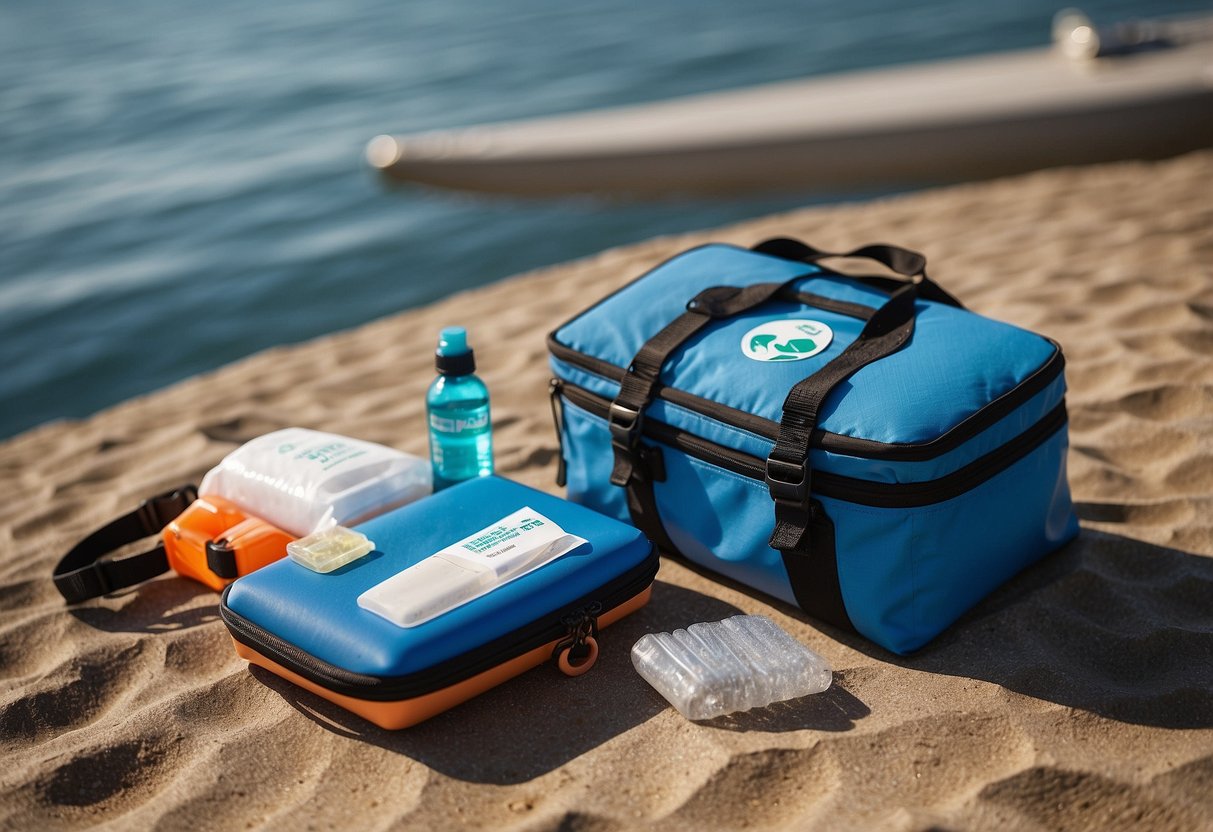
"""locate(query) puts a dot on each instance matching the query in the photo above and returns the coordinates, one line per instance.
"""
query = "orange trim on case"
(405, 713)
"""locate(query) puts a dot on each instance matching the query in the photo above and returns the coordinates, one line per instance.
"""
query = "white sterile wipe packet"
(303, 481)
(483, 561)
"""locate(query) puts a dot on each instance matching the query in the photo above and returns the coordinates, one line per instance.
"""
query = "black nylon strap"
(642, 502)
(814, 575)
(803, 534)
(626, 415)
(632, 470)
(82, 574)
(899, 260)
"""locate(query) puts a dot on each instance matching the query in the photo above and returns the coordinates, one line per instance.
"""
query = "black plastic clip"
(788, 482)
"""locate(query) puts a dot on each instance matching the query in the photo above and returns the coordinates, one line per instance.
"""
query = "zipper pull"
(555, 386)
(578, 650)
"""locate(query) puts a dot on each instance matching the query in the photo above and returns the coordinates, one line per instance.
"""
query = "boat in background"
(1133, 91)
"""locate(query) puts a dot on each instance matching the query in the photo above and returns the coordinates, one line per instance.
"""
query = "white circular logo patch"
(786, 340)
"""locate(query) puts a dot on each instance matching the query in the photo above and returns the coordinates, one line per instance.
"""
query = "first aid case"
(532, 579)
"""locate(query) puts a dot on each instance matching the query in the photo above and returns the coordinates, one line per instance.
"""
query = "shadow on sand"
(542, 719)
(1107, 624)
(159, 606)
(1111, 625)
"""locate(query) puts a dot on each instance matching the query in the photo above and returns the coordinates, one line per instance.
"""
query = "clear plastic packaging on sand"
(304, 481)
(743, 662)
(329, 549)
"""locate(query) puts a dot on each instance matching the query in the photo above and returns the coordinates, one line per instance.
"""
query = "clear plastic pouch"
(743, 662)
(305, 481)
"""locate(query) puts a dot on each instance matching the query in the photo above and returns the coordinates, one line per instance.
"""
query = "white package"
(497, 554)
(743, 662)
(304, 481)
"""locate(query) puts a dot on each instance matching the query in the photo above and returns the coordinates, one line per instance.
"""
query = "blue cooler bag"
(310, 629)
(863, 447)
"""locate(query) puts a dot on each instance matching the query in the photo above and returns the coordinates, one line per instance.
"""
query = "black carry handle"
(636, 466)
(802, 532)
(626, 415)
(82, 574)
(901, 261)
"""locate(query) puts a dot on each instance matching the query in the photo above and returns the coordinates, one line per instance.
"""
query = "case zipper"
(837, 486)
(578, 650)
(391, 688)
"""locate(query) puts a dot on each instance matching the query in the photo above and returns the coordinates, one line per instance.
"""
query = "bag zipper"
(837, 486)
(391, 688)
(972, 425)
(562, 467)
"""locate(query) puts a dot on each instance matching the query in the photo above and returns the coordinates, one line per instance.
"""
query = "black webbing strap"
(637, 465)
(899, 260)
(803, 533)
(626, 415)
(642, 500)
(82, 574)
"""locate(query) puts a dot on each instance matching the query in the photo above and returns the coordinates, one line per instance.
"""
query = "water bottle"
(457, 406)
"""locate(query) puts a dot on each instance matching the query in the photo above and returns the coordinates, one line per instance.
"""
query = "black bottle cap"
(456, 365)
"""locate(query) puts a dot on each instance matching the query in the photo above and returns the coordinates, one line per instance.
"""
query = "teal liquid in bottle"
(457, 407)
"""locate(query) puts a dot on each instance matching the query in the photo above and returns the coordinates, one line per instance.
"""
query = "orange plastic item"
(404, 713)
(214, 541)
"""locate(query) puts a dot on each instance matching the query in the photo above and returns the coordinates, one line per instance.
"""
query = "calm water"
(182, 184)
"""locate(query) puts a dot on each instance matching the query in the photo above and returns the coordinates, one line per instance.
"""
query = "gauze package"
(305, 481)
(510, 548)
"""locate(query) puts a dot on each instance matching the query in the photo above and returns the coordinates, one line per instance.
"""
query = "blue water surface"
(182, 184)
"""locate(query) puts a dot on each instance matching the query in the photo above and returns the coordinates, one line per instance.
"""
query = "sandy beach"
(1079, 696)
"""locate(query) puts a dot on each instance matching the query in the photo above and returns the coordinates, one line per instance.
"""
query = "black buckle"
(221, 558)
(157, 512)
(788, 482)
(714, 301)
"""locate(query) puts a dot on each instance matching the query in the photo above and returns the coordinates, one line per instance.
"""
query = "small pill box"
(330, 549)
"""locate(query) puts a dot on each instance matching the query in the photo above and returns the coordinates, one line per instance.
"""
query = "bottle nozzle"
(453, 340)
(454, 357)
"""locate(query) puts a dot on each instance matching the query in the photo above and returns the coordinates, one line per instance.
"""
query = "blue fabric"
(876, 470)
(320, 613)
(905, 574)
(914, 395)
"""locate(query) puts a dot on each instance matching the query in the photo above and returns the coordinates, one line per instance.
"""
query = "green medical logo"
(786, 340)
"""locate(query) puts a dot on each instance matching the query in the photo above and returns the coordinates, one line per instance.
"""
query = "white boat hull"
(960, 120)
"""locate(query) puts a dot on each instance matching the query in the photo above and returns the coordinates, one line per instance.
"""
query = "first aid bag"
(863, 447)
